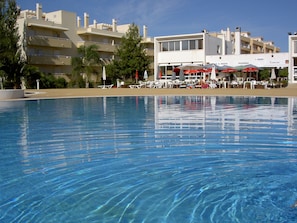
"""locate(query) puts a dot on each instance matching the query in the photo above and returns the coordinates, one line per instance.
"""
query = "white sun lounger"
(105, 86)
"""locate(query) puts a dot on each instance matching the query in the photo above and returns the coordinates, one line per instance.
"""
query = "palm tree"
(86, 63)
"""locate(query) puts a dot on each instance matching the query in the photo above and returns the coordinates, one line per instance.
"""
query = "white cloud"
(143, 12)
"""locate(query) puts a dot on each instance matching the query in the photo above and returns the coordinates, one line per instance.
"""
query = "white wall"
(180, 57)
(260, 60)
(292, 54)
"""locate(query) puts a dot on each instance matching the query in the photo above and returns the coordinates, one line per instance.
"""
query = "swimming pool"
(149, 159)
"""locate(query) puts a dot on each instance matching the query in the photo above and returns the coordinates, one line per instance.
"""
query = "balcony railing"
(105, 47)
(49, 41)
(149, 52)
(49, 59)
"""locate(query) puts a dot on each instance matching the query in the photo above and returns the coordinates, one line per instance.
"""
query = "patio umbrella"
(145, 75)
(273, 75)
(136, 76)
(213, 74)
(181, 75)
(207, 68)
(103, 75)
(173, 76)
(228, 69)
(250, 68)
(176, 69)
(160, 74)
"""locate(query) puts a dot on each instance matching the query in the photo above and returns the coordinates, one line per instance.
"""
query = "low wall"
(12, 94)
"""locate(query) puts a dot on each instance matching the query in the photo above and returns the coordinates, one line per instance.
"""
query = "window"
(295, 46)
(218, 49)
(295, 61)
(177, 45)
(171, 46)
(185, 45)
(192, 44)
(164, 46)
(200, 44)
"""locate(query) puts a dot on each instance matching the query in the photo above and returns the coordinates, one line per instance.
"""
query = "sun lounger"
(105, 86)
(138, 86)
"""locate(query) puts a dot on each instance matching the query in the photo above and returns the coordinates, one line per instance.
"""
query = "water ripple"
(171, 159)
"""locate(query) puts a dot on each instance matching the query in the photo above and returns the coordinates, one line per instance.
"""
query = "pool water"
(149, 159)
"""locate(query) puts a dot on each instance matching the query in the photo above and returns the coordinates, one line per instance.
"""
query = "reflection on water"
(58, 121)
(148, 159)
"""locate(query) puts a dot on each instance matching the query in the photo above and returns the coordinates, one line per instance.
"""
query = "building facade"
(51, 39)
(292, 57)
(225, 48)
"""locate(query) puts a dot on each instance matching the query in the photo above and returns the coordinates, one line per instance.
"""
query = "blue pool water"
(149, 159)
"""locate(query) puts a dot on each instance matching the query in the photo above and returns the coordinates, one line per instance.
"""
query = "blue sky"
(271, 20)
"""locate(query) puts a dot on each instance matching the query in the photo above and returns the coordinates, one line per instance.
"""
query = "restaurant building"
(222, 49)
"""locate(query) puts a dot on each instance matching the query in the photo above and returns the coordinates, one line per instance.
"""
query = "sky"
(271, 20)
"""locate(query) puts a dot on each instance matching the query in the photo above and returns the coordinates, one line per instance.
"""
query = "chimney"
(144, 31)
(228, 34)
(86, 20)
(223, 45)
(237, 44)
(114, 25)
(78, 22)
(39, 11)
(95, 23)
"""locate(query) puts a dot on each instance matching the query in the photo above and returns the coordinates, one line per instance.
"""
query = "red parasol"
(192, 71)
(136, 76)
(250, 68)
(160, 74)
(229, 70)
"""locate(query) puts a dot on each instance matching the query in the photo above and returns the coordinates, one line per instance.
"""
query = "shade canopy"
(190, 67)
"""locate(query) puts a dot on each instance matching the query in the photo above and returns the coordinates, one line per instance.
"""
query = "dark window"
(295, 46)
(295, 61)
(200, 44)
(193, 44)
(164, 46)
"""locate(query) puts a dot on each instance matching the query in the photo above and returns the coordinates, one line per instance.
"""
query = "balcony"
(98, 32)
(103, 47)
(49, 60)
(49, 41)
(149, 52)
(245, 49)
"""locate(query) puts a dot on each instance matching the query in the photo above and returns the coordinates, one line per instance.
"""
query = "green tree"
(11, 62)
(87, 63)
(130, 55)
(31, 74)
